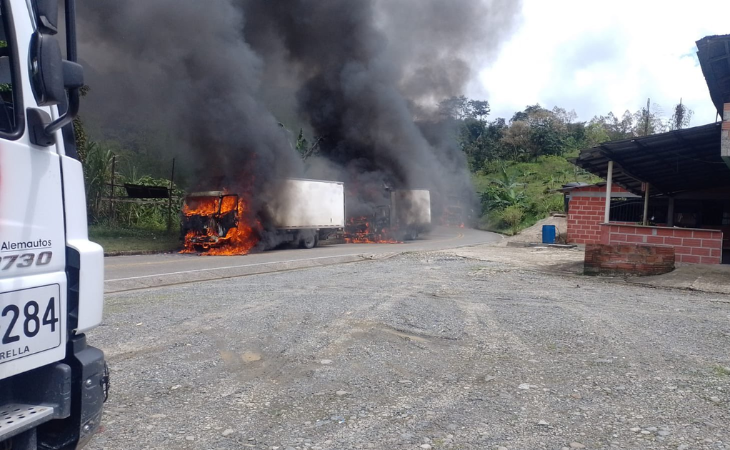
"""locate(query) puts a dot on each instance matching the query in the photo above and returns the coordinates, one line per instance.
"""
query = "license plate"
(30, 321)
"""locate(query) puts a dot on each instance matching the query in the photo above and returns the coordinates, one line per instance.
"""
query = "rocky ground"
(419, 351)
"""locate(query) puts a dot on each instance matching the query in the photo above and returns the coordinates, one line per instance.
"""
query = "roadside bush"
(543, 206)
(97, 164)
(512, 216)
(150, 215)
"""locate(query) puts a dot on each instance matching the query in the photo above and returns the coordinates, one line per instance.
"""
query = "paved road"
(123, 273)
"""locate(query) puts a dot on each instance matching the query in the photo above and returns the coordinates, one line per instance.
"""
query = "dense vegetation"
(516, 164)
(107, 162)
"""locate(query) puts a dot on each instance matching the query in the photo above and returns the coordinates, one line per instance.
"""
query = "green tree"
(456, 108)
(681, 117)
(648, 120)
(479, 109)
(97, 173)
(302, 145)
(507, 191)
(538, 131)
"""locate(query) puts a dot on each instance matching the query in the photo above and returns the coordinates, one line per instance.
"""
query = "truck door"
(33, 284)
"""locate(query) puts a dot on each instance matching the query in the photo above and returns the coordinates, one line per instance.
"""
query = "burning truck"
(406, 215)
(303, 212)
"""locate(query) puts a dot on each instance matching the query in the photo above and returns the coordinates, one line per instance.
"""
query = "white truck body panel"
(51, 275)
(410, 208)
(309, 204)
(91, 255)
(41, 212)
(31, 225)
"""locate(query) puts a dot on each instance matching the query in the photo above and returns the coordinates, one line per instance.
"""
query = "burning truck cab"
(208, 218)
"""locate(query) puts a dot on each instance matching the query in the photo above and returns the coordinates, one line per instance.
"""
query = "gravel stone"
(439, 320)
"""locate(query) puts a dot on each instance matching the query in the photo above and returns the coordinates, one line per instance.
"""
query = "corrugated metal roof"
(672, 162)
(714, 55)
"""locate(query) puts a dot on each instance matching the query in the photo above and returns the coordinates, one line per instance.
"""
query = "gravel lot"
(424, 350)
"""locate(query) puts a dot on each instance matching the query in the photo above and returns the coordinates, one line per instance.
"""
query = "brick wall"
(628, 259)
(586, 213)
(691, 246)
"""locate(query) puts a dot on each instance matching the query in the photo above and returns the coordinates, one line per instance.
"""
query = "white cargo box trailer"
(309, 204)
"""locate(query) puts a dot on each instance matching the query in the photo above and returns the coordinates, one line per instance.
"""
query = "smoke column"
(365, 70)
(182, 68)
(363, 75)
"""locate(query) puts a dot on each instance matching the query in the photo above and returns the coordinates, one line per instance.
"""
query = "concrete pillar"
(670, 212)
(609, 181)
(725, 139)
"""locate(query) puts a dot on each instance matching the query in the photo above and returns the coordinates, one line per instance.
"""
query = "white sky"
(599, 56)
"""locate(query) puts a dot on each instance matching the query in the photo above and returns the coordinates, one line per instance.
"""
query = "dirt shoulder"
(512, 252)
(693, 277)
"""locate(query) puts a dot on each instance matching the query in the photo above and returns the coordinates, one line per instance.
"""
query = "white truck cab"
(52, 384)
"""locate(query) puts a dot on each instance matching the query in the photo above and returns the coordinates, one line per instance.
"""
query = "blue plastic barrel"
(548, 234)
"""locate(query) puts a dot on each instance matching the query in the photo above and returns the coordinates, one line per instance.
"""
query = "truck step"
(16, 418)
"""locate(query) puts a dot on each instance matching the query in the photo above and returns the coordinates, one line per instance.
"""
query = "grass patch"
(721, 371)
(115, 239)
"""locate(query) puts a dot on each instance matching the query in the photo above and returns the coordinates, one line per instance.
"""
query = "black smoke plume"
(181, 69)
(363, 75)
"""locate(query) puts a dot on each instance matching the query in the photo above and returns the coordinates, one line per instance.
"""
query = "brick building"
(586, 215)
(586, 208)
(668, 190)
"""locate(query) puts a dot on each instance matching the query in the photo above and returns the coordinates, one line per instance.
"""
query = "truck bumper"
(75, 389)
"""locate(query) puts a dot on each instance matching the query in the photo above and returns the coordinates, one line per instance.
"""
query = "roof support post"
(609, 182)
(646, 204)
(725, 136)
(670, 212)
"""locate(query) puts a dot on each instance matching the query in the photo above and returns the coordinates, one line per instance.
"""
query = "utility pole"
(111, 198)
(648, 116)
(169, 198)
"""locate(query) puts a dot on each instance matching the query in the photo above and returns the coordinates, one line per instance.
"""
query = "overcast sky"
(595, 57)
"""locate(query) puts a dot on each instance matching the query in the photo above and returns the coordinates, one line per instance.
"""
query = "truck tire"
(308, 239)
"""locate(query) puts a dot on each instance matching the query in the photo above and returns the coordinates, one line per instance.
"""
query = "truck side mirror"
(46, 12)
(52, 77)
(47, 70)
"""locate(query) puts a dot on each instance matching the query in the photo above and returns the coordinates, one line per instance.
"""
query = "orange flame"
(238, 240)
(363, 234)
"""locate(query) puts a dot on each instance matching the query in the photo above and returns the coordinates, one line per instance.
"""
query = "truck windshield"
(8, 121)
(209, 205)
